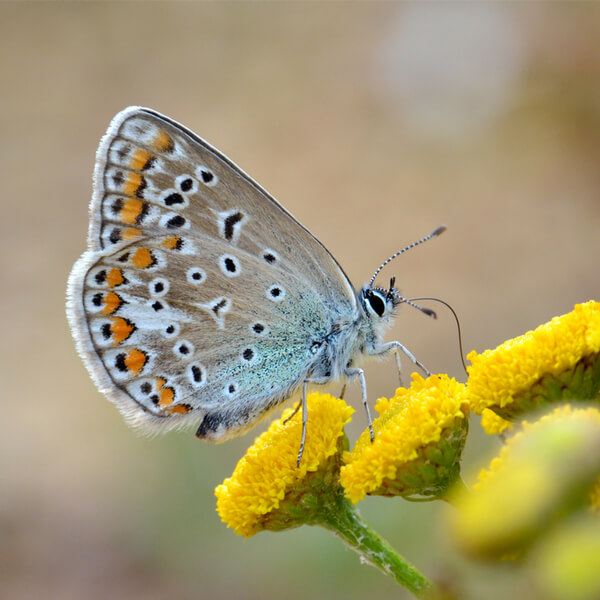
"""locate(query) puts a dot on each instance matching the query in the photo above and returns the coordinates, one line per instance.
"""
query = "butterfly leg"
(296, 409)
(351, 373)
(396, 348)
(304, 421)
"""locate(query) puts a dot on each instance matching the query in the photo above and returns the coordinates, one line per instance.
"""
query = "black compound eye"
(376, 302)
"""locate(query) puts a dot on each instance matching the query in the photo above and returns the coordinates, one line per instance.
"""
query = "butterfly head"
(380, 304)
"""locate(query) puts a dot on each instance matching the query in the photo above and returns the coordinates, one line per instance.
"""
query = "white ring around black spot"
(258, 328)
(94, 301)
(206, 176)
(186, 184)
(184, 349)
(230, 224)
(102, 333)
(270, 256)
(145, 387)
(276, 292)
(195, 275)
(229, 265)
(197, 375)
(173, 199)
(231, 388)
(158, 287)
(171, 330)
(174, 222)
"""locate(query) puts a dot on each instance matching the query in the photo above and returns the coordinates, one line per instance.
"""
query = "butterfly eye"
(375, 302)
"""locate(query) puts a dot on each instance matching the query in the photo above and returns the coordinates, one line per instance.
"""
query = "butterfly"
(200, 299)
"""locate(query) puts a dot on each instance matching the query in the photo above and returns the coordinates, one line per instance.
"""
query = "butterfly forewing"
(200, 295)
(153, 175)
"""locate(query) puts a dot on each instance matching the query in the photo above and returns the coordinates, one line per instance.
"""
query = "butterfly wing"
(200, 297)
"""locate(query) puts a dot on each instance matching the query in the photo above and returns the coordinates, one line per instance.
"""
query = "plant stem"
(344, 520)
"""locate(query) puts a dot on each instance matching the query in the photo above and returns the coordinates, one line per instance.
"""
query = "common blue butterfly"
(200, 299)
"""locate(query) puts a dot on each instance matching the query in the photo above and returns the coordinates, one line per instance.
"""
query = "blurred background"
(373, 124)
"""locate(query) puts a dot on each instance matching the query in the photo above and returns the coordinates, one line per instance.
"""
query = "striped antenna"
(433, 234)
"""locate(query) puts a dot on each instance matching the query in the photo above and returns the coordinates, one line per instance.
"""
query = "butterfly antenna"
(423, 309)
(435, 233)
(460, 344)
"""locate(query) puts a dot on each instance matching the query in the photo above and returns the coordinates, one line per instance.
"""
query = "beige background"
(373, 124)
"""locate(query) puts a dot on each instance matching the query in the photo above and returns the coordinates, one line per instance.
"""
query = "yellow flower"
(542, 473)
(419, 437)
(558, 361)
(252, 498)
(493, 423)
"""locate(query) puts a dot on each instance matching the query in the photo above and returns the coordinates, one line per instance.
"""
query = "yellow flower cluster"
(523, 372)
(268, 470)
(412, 419)
(544, 472)
(562, 413)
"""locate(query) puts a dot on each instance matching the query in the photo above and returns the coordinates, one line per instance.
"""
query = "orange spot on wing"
(133, 183)
(180, 409)
(166, 396)
(115, 277)
(111, 303)
(132, 209)
(142, 259)
(130, 233)
(140, 159)
(135, 361)
(163, 141)
(121, 329)
(171, 242)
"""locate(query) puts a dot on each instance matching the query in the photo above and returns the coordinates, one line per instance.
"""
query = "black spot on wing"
(230, 223)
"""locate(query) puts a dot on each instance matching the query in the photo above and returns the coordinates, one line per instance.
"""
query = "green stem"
(343, 520)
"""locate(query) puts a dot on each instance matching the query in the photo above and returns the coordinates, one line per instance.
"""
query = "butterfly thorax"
(352, 338)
